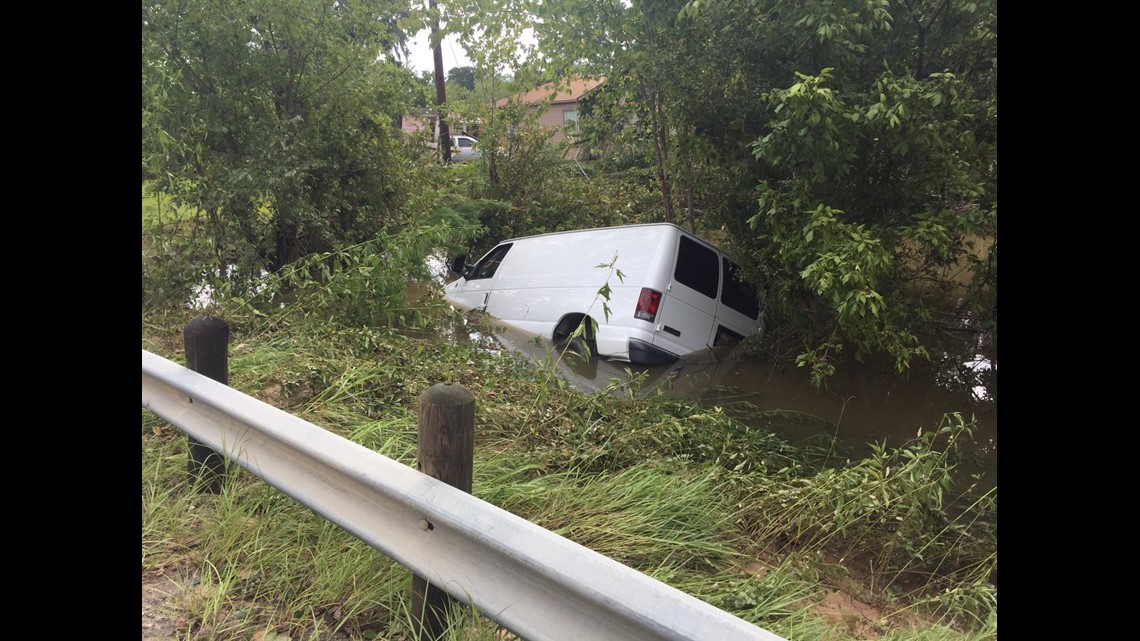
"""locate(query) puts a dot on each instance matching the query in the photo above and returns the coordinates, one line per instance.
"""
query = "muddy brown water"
(860, 405)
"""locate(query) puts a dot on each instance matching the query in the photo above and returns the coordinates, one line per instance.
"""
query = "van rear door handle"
(486, 297)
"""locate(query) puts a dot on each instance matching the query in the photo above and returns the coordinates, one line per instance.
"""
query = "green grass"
(159, 210)
(682, 492)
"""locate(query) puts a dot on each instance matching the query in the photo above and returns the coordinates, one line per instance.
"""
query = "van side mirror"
(459, 264)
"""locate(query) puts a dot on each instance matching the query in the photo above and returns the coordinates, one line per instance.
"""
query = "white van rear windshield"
(737, 294)
(697, 267)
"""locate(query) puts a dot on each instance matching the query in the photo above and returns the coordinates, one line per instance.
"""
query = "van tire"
(580, 347)
(585, 347)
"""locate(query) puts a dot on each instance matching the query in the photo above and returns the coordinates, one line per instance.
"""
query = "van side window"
(697, 267)
(738, 294)
(487, 266)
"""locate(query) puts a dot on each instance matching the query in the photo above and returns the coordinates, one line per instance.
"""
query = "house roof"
(576, 89)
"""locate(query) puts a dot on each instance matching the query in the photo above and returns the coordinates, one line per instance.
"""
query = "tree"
(847, 148)
(879, 174)
(462, 76)
(630, 45)
(491, 31)
(274, 119)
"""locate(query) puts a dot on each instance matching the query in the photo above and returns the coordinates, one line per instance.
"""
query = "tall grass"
(682, 492)
(896, 513)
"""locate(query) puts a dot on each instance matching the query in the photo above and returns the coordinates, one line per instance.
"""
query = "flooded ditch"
(863, 403)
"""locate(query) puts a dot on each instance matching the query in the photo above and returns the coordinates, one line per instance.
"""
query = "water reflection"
(437, 266)
(202, 295)
(861, 404)
(970, 375)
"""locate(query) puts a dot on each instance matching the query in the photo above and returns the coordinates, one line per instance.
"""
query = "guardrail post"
(445, 451)
(207, 342)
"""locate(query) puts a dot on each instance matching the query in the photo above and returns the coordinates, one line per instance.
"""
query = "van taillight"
(647, 304)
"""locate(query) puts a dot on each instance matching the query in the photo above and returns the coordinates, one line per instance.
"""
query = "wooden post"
(207, 341)
(446, 451)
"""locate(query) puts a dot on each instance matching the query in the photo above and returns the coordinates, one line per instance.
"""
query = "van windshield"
(486, 267)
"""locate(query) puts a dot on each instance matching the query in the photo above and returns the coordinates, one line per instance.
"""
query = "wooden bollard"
(207, 352)
(446, 451)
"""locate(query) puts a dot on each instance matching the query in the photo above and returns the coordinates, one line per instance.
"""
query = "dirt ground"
(856, 618)
(158, 623)
(161, 621)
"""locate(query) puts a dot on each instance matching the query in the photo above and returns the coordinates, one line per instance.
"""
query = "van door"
(687, 310)
(475, 288)
(738, 312)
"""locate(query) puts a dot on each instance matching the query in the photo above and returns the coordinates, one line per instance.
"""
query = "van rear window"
(697, 267)
(737, 294)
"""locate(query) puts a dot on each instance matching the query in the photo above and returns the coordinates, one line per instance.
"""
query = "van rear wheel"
(579, 346)
(565, 340)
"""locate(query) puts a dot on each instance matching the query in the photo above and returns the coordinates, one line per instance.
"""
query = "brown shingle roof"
(575, 90)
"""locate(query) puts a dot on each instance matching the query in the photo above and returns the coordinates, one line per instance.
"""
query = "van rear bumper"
(644, 353)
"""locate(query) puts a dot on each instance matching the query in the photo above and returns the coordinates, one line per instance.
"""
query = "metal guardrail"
(535, 583)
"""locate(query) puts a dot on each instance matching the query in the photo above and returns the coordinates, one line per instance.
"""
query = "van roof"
(579, 231)
(634, 226)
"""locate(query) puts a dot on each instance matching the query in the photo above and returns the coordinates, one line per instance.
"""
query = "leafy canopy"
(274, 120)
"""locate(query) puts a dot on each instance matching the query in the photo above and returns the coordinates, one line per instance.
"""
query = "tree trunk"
(286, 233)
(492, 157)
(440, 91)
(689, 201)
(660, 142)
(921, 30)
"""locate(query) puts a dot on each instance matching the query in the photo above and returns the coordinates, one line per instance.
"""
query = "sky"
(454, 55)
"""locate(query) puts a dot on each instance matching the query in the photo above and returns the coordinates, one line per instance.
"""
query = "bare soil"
(161, 620)
(164, 600)
(158, 616)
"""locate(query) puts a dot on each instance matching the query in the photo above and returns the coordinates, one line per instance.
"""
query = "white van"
(678, 294)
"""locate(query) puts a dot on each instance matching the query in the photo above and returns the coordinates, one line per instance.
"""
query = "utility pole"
(440, 92)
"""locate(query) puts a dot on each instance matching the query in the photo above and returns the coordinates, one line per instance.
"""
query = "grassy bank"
(685, 493)
(797, 540)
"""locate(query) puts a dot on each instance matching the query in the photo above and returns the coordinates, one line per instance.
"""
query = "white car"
(677, 293)
(464, 148)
